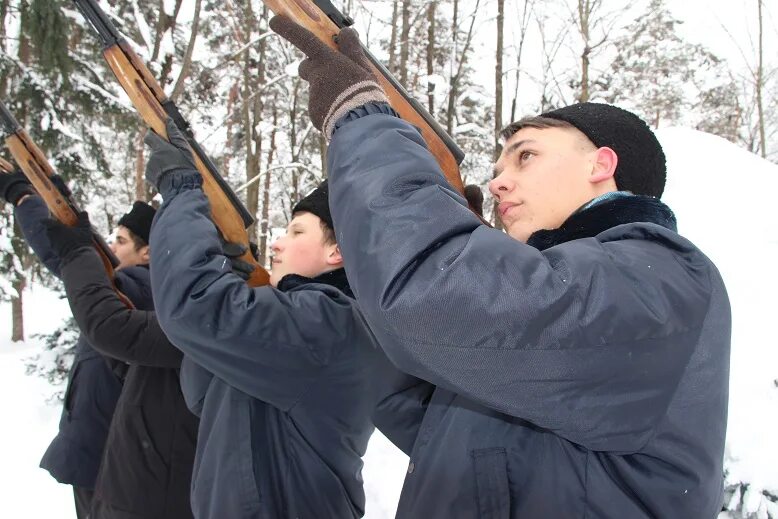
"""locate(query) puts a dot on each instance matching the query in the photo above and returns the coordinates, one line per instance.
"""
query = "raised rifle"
(154, 107)
(49, 185)
(325, 22)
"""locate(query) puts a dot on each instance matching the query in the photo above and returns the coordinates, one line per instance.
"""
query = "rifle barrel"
(10, 124)
(100, 21)
(110, 36)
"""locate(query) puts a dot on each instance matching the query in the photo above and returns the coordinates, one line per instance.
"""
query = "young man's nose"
(498, 186)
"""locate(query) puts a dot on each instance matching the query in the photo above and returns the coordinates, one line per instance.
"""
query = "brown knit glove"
(339, 81)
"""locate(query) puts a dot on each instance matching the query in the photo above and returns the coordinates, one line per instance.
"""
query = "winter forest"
(476, 65)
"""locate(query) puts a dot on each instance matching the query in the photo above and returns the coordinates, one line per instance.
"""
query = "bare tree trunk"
(17, 307)
(18, 283)
(405, 42)
(452, 80)
(453, 94)
(186, 64)
(232, 98)
(584, 11)
(264, 222)
(498, 96)
(295, 194)
(760, 86)
(393, 39)
(525, 17)
(141, 191)
(3, 46)
(431, 56)
(3, 14)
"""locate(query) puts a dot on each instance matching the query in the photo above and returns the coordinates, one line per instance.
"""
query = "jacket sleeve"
(264, 342)
(400, 413)
(584, 339)
(30, 215)
(129, 335)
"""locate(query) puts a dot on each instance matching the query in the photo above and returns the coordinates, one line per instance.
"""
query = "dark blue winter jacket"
(73, 457)
(284, 380)
(584, 376)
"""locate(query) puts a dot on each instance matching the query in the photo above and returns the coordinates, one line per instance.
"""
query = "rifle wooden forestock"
(39, 172)
(325, 21)
(154, 107)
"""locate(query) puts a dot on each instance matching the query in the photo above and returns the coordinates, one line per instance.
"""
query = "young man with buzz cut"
(578, 365)
(284, 377)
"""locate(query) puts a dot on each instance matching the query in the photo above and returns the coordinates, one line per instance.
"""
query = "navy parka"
(284, 379)
(584, 378)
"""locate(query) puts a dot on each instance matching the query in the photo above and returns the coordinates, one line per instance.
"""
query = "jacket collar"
(604, 215)
(334, 278)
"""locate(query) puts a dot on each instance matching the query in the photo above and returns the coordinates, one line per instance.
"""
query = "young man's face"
(123, 247)
(303, 250)
(543, 176)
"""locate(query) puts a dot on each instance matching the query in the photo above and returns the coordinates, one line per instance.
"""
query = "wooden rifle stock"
(41, 175)
(325, 21)
(154, 107)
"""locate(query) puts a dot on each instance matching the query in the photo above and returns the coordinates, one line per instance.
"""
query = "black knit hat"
(641, 168)
(139, 219)
(317, 203)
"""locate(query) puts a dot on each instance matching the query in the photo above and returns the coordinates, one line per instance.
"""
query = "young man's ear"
(145, 254)
(604, 165)
(334, 257)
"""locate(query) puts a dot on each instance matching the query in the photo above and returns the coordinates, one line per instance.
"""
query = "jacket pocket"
(491, 483)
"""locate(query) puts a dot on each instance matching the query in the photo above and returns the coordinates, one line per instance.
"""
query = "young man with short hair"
(284, 377)
(147, 462)
(94, 380)
(578, 365)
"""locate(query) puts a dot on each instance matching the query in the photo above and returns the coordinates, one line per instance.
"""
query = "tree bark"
(264, 222)
(17, 308)
(498, 96)
(405, 42)
(186, 63)
(584, 12)
(393, 39)
(525, 17)
(431, 56)
(760, 85)
(455, 78)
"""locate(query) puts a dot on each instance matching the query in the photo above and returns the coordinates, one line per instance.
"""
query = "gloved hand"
(167, 157)
(66, 240)
(14, 186)
(234, 251)
(339, 81)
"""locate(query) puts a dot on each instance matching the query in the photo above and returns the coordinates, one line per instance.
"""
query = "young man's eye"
(525, 156)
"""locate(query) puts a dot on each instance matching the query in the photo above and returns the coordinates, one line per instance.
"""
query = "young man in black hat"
(284, 377)
(577, 365)
(147, 462)
(94, 381)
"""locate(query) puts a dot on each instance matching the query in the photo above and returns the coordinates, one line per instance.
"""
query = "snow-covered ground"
(723, 198)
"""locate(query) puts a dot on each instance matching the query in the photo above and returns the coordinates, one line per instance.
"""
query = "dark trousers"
(83, 498)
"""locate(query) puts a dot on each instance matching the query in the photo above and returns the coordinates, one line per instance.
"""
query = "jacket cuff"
(172, 183)
(364, 110)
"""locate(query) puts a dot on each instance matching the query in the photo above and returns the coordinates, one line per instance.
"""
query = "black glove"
(66, 240)
(14, 186)
(340, 81)
(234, 251)
(167, 157)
